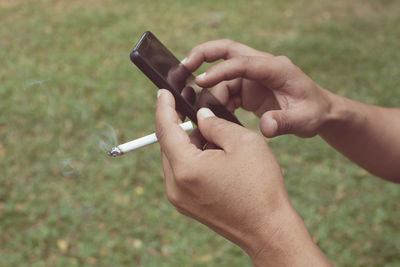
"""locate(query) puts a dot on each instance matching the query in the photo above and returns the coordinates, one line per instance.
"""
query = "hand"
(272, 87)
(238, 190)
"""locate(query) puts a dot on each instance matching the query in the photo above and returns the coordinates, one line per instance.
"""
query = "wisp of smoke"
(35, 82)
(107, 138)
(68, 167)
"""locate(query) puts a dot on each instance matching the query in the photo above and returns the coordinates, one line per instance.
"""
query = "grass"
(67, 86)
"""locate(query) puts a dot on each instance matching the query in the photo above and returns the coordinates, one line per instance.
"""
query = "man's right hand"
(289, 102)
(272, 87)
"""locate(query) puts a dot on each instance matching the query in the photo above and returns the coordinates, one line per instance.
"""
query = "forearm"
(290, 245)
(368, 135)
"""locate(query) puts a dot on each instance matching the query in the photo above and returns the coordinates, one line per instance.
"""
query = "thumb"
(278, 122)
(218, 131)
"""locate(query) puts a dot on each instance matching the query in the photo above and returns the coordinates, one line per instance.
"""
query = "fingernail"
(201, 76)
(205, 113)
(159, 93)
(184, 61)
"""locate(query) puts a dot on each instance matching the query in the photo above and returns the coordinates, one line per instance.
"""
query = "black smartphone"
(166, 71)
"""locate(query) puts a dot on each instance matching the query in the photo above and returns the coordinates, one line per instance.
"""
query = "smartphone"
(166, 71)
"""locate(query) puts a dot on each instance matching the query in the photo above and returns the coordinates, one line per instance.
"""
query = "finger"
(278, 122)
(226, 90)
(197, 139)
(273, 70)
(210, 146)
(229, 93)
(181, 117)
(173, 140)
(215, 50)
(218, 131)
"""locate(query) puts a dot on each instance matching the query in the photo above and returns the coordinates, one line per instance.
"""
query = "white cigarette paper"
(143, 141)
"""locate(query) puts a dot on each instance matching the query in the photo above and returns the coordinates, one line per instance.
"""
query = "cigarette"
(142, 141)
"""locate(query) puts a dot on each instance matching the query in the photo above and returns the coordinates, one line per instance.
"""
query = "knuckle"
(218, 127)
(185, 176)
(284, 60)
(174, 199)
(244, 60)
(287, 69)
(227, 42)
(285, 125)
(230, 45)
(196, 49)
(251, 138)
(161, 132)
(286, 64)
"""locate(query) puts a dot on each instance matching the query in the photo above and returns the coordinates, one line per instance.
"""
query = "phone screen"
(166, 71)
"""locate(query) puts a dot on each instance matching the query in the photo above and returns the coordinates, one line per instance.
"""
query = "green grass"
(67, 83)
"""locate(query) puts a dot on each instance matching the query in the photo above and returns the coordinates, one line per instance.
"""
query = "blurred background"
(68, 91)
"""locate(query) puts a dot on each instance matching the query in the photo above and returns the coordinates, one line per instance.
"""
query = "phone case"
(182, 105)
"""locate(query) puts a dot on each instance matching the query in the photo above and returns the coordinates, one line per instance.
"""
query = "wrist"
(267, 233)
(339, 114)
(289, 245)
(273, 238)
